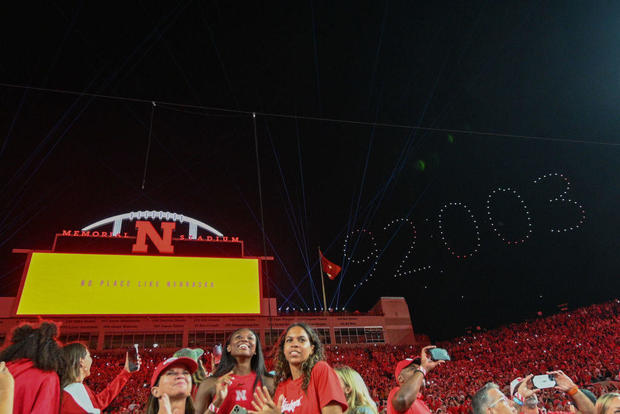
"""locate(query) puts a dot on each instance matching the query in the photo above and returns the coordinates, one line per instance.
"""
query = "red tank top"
(240, 392)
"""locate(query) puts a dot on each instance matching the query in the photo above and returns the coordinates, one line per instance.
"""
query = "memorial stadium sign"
(101, 272)
(145, 230)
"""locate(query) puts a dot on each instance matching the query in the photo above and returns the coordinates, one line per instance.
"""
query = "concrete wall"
(390, 313)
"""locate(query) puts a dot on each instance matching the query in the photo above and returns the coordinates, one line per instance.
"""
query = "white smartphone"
(544, 381)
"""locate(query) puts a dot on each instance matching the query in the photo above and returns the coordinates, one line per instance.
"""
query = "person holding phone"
(306, 383)
(240, 370)
(410, 374)
(523, 392)
(77, 397)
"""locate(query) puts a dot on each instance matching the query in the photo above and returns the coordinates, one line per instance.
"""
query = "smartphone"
(237, 409)
(544, 381)
(132, 353)
(439, 354)
(217, 353)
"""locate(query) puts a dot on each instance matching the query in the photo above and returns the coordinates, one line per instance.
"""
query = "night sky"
(507, 95)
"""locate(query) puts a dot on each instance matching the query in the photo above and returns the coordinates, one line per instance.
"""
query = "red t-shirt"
(240, 392)
(418, 406)
(324, 389)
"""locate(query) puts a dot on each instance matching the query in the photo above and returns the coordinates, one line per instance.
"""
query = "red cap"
(404, 364)
(186, 362)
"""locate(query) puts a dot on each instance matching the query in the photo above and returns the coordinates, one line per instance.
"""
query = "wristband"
(213, 408)
(422, 370)
(573, 391)
(518, 398)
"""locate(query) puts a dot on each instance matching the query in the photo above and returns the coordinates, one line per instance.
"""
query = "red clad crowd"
(584, 343)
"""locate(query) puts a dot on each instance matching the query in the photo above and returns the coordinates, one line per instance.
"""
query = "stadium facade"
(110, 290)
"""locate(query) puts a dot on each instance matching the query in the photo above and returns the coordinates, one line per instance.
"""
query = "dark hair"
(152, 404)
(257, 363)
(283, 370)
(72, 354)
(36, 344)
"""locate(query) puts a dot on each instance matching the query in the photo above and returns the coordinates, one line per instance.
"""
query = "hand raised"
(524, 390)
(164, 405)
(264, 404)
(564, 383)
(221, 388)
(427, 363)
(138, 362)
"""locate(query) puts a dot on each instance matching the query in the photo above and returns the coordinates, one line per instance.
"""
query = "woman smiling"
(171, 387)
(240, 371)
(306, 383)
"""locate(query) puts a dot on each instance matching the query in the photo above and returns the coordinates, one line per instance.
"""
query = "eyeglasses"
(500, 399)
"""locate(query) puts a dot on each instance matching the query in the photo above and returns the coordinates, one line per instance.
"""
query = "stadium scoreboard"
(87, 279)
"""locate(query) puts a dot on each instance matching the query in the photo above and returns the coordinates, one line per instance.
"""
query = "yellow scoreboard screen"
(100, 284)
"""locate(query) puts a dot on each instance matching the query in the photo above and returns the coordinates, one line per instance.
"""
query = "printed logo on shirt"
(291, 405)
(240, 395)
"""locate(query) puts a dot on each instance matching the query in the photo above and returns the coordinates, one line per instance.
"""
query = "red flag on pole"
(329, 268)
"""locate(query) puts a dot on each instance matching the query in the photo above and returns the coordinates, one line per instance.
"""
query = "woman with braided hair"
(35, 361)
(306, 384)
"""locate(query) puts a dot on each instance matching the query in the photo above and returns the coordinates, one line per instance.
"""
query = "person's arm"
(524, 391)
(111, 391)
(270, 383)
(7, 384)
(332, 409)
(215, 393)
(204, 395)
(564, 383)
(408, 392)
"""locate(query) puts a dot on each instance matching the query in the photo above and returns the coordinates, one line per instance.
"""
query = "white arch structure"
(152, 214)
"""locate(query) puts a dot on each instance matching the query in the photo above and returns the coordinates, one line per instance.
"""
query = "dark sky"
(506, 93)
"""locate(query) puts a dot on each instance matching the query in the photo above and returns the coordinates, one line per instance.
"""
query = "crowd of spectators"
(584, 343)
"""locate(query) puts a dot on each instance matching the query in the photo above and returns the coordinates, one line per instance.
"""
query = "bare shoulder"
(205, 393)
(207, 386)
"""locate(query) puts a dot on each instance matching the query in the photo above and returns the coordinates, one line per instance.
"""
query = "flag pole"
(322, 281)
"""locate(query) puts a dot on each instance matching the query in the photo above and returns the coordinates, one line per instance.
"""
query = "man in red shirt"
(410, 374)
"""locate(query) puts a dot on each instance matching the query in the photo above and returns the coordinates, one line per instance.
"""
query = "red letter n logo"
(163, 243)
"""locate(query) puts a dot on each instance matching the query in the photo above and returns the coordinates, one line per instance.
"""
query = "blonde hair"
(603, 402)
(359, 396)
